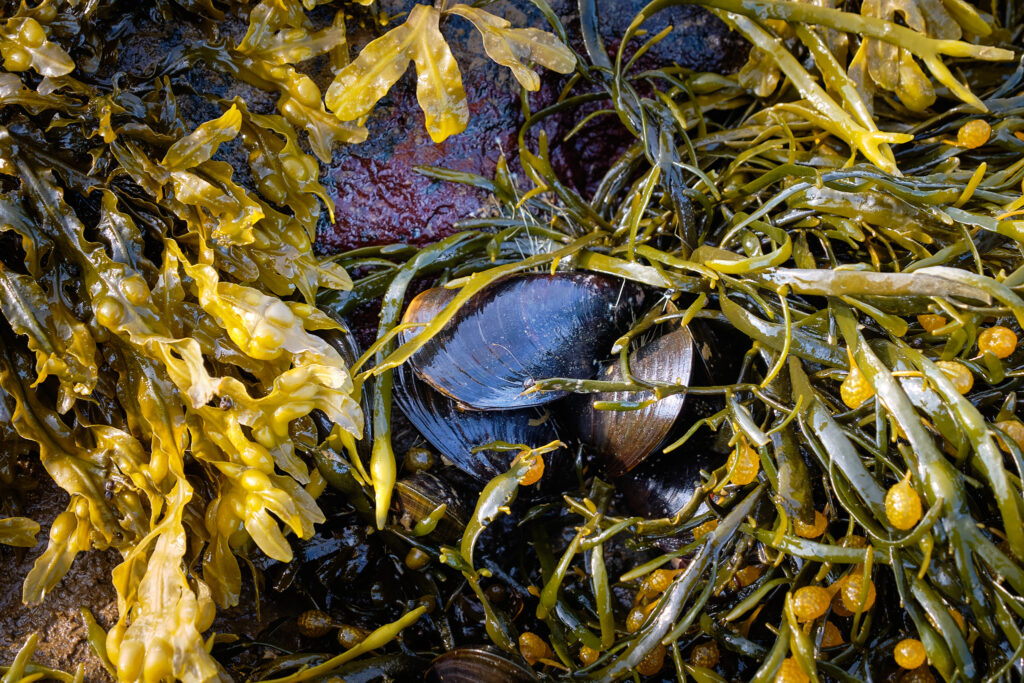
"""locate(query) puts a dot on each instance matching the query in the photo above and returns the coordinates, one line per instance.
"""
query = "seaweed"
(174, 352)
(761, 215)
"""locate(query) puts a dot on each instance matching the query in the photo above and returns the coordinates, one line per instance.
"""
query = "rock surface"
(57, 619)
(380, 198)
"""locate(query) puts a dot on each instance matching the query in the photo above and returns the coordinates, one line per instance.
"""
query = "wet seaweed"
(846, 206)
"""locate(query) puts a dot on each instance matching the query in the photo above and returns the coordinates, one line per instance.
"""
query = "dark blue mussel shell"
(455, 432)
(521, 329)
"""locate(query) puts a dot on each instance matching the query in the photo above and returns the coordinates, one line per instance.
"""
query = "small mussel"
(623, 438)
(456, 432)
(418, 500)
(479, 665)
(314, 623)
(518, 330)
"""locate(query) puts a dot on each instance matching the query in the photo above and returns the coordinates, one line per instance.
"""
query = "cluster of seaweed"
(845, 202)
(875, 497)
(160, 347)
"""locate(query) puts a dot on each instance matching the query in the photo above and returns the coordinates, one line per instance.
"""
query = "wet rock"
(380, 198)
(57, 619)
(378, 195)
(698, 40)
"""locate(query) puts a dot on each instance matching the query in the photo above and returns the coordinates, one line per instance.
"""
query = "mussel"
(520, 329)
(623, 438)
(662, 485)
(418, 497)
(482, 664)
(463, 389)
(456, 432)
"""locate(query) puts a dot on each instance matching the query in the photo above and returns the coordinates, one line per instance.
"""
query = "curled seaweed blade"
(266, 19)
(123, 239)
(13, 218)
(283, 172)
(202, 143)
(226, 210)
(267, 329)
(14, 92)
(497, 495)
(69, 535)
(25, 44)
(62, 345)
(284, 259)
(438, 80)
(167, 616)
(359, 86)
(18, 532)
(281, 33)
(299, 99)
(512, 47)
(80, 471)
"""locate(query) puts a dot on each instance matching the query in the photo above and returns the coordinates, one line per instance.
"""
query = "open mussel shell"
(419, 495)
(662, 485)
(520, 329)
(455, 432)
(623, 438)
(479, 665)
